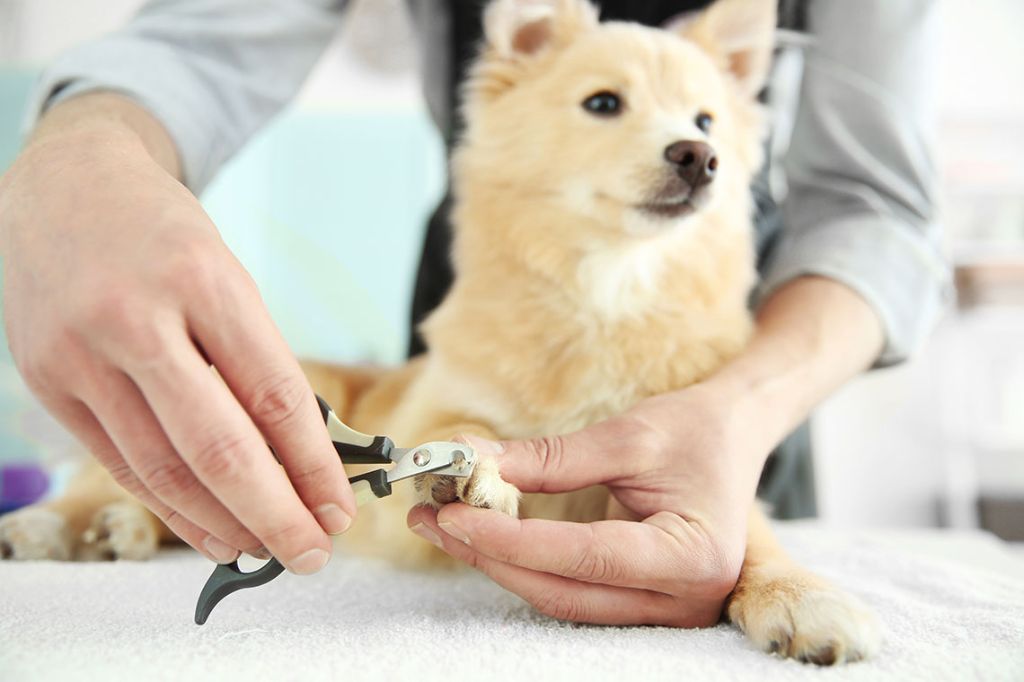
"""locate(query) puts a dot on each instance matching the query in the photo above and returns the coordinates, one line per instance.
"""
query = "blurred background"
(330, 227)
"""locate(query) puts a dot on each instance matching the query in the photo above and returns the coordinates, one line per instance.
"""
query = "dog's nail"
(454, 531)
(221, 553)
(427, 534)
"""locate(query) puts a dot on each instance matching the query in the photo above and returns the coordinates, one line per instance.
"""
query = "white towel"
(362, 619)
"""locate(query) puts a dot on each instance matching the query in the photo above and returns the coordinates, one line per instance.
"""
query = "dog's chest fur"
(528, 357)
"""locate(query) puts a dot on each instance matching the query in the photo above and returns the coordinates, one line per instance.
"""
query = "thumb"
(601, 453)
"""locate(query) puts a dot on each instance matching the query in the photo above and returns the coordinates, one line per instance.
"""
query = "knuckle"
(276, 400)
(475, 561)
(173, 520)
(104, 304)
(125, 320)
(723, 573)
(124, 476)
(37, 368)
(169, 481)
(282, 533)
(560, 605)
(190, 266)
(310, 475)
(595, 564)
(647, 442)
(220, 457)
(550, 453)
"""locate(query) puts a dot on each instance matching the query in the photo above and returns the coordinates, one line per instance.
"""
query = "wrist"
(105, 123)
(811, 336)
(84, 157)
(82, 146)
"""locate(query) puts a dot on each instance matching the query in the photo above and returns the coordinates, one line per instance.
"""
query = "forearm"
(105, 120)
(811, 336)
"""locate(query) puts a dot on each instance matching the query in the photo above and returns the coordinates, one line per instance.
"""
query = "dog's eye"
(603, 103)
(704, 121)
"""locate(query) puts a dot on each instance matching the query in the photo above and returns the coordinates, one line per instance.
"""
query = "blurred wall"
(919, 443)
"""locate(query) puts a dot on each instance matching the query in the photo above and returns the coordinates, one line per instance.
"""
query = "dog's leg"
(484, 488)
(94, 520)
(784, 608)
(35, 533)
(340, 385)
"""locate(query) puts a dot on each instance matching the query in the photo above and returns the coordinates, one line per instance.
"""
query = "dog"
(603, 251)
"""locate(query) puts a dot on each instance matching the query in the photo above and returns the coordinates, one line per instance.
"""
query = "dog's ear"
(517, 29)
(739, 33)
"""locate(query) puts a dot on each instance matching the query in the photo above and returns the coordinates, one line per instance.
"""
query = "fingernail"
(485, 446)
(454, 531)
(430, 536)
(261, 553)
(332, 519)
(309, 562)
(221, 553)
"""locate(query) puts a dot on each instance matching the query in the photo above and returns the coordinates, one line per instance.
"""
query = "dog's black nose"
(694, 161)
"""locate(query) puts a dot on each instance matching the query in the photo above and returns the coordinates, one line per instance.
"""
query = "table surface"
(951, 604)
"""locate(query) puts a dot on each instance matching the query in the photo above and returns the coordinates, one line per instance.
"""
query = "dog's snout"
(695, 162)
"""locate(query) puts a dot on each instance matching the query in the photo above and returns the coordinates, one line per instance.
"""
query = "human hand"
(118, 295)
(682, 469)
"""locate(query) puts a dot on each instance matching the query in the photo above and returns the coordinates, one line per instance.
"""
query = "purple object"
(21, 485)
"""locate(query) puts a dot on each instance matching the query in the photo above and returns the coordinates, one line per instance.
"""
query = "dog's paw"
(120, 530)
(796, 614)
(484, 488)
(34, 533)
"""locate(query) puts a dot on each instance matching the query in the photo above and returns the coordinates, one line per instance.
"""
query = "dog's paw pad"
(797, 615)
(484, 488)
(120, 530)
(33, 534)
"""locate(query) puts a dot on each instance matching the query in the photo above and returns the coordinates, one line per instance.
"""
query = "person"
(119, 295)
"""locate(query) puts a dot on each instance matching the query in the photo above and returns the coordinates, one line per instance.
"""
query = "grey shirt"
(860, 201)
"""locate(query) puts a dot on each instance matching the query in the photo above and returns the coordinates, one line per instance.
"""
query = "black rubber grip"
(378, 479)
(376, 452)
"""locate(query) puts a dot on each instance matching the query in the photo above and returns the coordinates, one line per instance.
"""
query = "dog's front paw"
(120, 530)
(796, 614)
(484, 488)
(34, 533)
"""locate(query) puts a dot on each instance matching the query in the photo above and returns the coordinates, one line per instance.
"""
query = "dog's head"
(636, 128)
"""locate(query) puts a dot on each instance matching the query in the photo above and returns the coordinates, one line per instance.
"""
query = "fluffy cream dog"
(603, 255)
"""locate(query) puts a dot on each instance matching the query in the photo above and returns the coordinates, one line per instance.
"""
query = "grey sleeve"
(212, 71)
(861, 207)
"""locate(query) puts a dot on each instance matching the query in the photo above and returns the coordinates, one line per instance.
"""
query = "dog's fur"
(583, 286)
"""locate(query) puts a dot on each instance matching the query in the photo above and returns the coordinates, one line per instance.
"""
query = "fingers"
(228, 455)
(253, 359)
(80, 421)
(137, 435)
(568, 599)
(620, 553)
(601, 453)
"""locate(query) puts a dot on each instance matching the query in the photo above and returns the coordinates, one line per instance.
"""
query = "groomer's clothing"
(858, 203)
(860, 206)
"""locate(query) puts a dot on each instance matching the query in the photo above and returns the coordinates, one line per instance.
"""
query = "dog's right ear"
(521, 29)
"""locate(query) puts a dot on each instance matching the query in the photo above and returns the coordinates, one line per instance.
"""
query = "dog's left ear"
(517, 29)
(741, 34)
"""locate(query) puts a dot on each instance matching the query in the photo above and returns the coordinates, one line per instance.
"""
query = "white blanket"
(944, 620)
